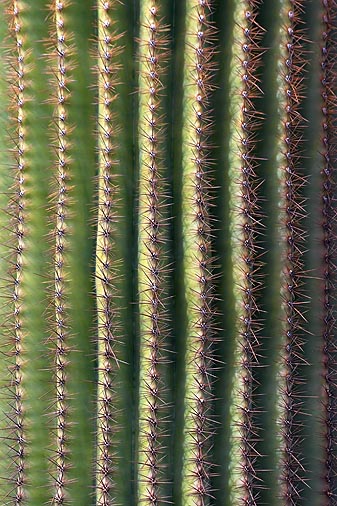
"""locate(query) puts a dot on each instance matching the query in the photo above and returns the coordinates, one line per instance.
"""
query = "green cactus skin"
(178, 288)
(272, 324)
(81, 18)
(312, 448)
(225, 302)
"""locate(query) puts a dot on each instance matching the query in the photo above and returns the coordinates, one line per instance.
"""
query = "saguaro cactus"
(168, 256)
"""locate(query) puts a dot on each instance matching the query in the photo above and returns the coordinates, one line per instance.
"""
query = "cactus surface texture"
(168, 252)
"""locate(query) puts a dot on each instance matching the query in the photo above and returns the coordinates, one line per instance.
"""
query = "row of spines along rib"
(17, 206)
(106, 269)
(292, 212)
(60, 83)
(152, 258)
(196, 199)
(328, 203)
(245, 229)
(6, 228)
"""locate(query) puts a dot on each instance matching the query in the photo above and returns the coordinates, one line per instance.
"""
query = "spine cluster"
(61, 55)
(328, 108)
(151, 256)
(105, 268)
(19, 227)
(198, 253)
(292, 480)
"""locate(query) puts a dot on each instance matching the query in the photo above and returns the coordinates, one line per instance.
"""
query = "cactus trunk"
(168, 252)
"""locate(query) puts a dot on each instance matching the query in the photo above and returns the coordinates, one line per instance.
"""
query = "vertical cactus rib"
(291, 66)
(197, 260)
(8, 469)
(151, 277)
(245, 228)
(104, 270)
(32, 296)
(328, 107)
(61, 83)
(19, 215)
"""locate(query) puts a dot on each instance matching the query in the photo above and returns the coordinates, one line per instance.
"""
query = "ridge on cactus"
(168, 252)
